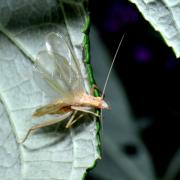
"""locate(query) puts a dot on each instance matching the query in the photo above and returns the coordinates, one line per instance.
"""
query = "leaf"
(165, 18)
(53, 152)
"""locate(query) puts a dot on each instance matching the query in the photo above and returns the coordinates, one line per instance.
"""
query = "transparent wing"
(71, 78)
(58, 74)
(57, 44)
(44, 85)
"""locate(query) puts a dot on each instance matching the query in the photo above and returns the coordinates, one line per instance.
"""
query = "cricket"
(59, 67)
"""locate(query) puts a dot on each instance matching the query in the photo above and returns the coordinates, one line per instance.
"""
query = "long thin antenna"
(110, 69)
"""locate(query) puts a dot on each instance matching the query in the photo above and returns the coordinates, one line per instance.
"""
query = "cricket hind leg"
(39, 126)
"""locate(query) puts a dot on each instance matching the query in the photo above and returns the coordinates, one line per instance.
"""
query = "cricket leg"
(74, 121)
(71, 119)
(36, 127)
(84, 109)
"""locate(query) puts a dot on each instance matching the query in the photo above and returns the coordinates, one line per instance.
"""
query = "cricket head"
(99, 102)
(103, 104)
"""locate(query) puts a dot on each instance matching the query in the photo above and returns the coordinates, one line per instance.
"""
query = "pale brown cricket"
(59, 66)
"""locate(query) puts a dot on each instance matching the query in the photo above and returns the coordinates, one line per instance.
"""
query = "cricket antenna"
(105, 84)
(110, 69)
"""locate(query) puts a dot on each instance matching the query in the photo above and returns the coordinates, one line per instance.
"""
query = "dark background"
(149, 71)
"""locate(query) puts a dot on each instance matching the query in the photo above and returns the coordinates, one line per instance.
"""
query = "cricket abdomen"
(58, 107)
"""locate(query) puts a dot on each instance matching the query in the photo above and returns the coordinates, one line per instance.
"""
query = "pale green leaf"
(164, 15)
(47, 154)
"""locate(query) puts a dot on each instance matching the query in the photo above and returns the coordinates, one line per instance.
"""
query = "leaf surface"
(52, 152)
(164, 16)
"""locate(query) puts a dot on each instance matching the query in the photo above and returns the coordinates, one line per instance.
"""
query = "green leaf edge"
(89, 68)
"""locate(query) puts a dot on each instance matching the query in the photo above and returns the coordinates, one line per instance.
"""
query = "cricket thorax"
(83, 99)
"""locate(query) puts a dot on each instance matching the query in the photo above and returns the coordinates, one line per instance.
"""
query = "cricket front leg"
(84, 109)
(68, 125)
(73, 121)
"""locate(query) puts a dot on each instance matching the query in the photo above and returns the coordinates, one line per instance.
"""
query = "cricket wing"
(60, 77)
(58, 45)
(45, 83)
